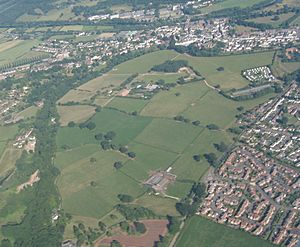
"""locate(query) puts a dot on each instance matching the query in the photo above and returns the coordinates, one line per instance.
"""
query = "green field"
(81, 198)
(127, 104)
(233, 65)
(214, 108)
(147, 159)
(168, 135)
(144, 63)
(17, 49)
(167, 104)
(230, 4)
(268, 19)
(75, 113)
(201, 232)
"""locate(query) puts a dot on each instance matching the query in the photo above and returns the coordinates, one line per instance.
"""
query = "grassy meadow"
(201, 232)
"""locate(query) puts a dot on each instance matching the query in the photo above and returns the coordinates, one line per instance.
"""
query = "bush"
(118, 165)
(99, 137)
(131, 155)
(212, 127)
(197, 157)
(71, 124)
(125, 198)
(110, 135)
(140, 227)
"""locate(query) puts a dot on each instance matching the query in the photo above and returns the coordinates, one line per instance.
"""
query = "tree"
(110, 135)
(140, 227)
(115, 243)
(71, 124)
(105, 145)
(93, 184)
(101, 226)
(93, 160)
(220, 69)
(132, 155)
(99, 137)
(123, 149)
(211, 158)
(125, 198)
(118, 165)
(240, 108)
(91, 125)
(196, 123)
(222, 147)
(212, 127)
(197, 157)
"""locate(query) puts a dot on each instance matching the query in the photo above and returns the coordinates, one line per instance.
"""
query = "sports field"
(201, 232)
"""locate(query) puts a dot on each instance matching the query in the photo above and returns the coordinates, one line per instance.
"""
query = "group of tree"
(134, 212)
(190, 204)
(170, 66)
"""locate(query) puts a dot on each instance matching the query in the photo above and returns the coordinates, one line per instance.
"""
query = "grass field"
(75, 113)
(168, 135)
(185, 167)
(230, 4)
(8, 159)
(144, 63)
(105, 82)
(28, 112)
(167, 104)
(127, 104)
(80, 198)
(201, 232)
(79, 96)
(160, 205)
(214, 108)
(125, 126)
(147, 159)
(14, 50)
(268, 19)
(233, 65)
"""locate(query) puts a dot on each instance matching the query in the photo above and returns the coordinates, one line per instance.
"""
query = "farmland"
(147, 128)
(233, 65)
(193, 237)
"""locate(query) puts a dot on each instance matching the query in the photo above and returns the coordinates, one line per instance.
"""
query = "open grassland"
(125, 126)
(144, 63)
(160, 205)
(167, 104)
(168, 135)
(230, 4)
(155, 76)
(105, 82)
(279, 68)
(274, 23)
(102, 101)
(69, 138)
(127, 104)
(79, 197)
(8, 159)
(233, 65)
(186, 168)
(147, 159)
(28, 112)
(201, 232)
(296, 21)
(179, 189)
(16, 50)
(8, 132)
(75, 113)
(214, 108)
(78, 96)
